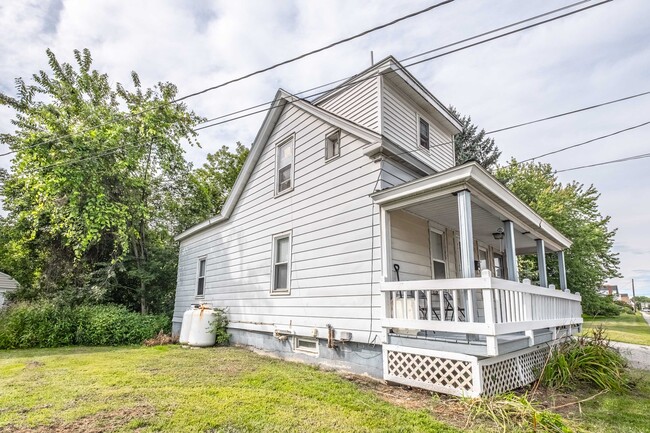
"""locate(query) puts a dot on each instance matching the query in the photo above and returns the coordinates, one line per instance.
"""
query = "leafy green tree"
(472, 144)
(572, 209)
(90, 162)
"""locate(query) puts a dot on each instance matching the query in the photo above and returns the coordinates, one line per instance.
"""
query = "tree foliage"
(472, 144)
(573, 209)
(86, 193)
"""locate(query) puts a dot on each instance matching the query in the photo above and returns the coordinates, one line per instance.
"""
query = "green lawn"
(171, 389)
(627, 328)
(233, 390)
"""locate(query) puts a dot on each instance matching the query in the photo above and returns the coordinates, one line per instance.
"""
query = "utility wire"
(407, 58)
(519, 125)
(318, 50)
(385, 73)
(612, 161)
(274, 66)
(382, 73)
(562, 149)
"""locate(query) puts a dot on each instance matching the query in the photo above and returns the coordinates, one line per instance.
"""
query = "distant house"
(7, 284)
(351, 239)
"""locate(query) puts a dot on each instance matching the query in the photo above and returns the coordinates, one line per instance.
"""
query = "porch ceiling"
(485, 221)
(432, 197)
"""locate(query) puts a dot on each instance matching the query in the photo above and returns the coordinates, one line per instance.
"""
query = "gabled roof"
(393, 70)
(7, 283)
(282, 98)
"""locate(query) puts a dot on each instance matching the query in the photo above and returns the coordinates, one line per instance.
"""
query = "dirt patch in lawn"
(99, 422)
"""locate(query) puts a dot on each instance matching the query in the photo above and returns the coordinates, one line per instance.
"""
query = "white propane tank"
(186, 324)
(200, 334)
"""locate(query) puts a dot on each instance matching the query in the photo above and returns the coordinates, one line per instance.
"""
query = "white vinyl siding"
(400, 124)
(393, 174)
(330, 216)
(410, 247)
(358, 104)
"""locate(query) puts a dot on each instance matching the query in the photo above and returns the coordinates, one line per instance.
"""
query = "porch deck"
(472, 336)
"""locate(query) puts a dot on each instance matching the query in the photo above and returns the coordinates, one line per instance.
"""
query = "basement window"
(307, 345)
(332, 145)
(423, 133)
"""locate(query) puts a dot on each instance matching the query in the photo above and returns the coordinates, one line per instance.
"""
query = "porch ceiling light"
(499, 234)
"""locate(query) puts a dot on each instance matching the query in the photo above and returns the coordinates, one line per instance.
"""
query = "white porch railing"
(483, 306)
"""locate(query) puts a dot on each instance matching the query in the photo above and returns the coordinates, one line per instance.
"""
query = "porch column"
(562, 268)
(466, 234)
(511, 255)
(541, 263)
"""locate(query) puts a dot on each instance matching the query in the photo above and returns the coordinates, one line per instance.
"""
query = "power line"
(268, 68)
(562, 149)
(318, 50)
(375, 75)
(407, 58)
(613, 161)
(602, 104)
(355, 82)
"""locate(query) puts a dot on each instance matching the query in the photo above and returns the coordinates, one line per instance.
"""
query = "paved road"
(638, 356)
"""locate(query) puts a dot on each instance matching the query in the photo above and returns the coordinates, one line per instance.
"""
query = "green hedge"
(45, 324)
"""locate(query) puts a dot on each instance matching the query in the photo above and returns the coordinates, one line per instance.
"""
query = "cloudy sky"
(585, 59)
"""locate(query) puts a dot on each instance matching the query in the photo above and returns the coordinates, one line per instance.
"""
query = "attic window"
(332, 145)
(284, 166)
(424, 133)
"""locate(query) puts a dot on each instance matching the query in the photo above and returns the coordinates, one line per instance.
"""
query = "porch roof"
(491, 202)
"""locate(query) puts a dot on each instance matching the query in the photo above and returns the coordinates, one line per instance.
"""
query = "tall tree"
(572, 208)
(472, 144)
(89, 161)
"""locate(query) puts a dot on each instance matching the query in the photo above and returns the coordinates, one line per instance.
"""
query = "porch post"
(562, 268)
(466, 234)
(541, 263)
(511, 255)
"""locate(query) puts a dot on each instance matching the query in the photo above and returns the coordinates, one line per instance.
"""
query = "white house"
(7, 284)
(350, 239)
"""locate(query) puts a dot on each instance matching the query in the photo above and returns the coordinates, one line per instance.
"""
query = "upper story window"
(423, 133)
(284, 166)
(200, 278)
(280, 278)
(333, 145)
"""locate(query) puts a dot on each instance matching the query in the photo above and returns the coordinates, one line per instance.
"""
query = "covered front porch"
(452, 293)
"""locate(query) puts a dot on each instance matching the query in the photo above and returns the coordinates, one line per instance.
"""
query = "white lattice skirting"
(462, 375)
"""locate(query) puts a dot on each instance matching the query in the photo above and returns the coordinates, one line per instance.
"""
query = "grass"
(232, 390)
(167, 388)
(626, 328)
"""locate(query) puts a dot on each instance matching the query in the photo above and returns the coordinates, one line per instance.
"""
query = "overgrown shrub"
(595, 305)
(587, 360)
(511, 412)
(220, 327)
(45, 324)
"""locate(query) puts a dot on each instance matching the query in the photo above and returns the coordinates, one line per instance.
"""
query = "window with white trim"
(333, 145)
(281, 272)
(498, 265)
(438, 263)
(423, 133)
(200, 277)
(284, 166)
